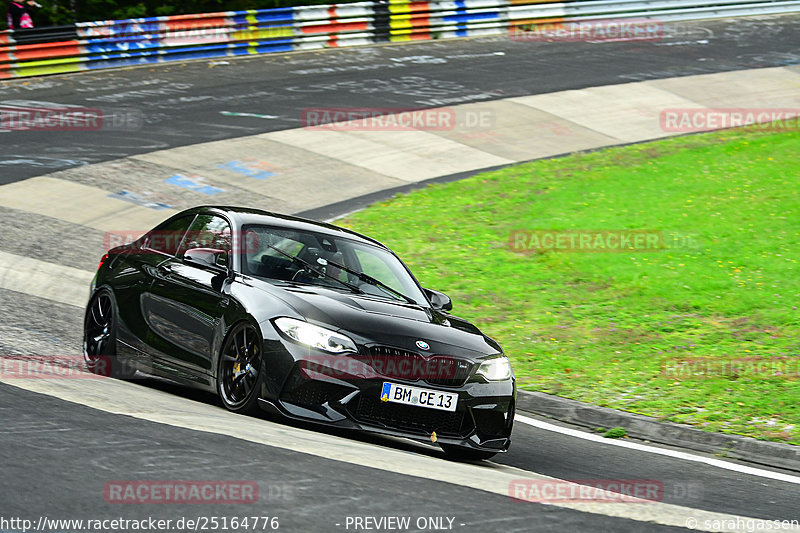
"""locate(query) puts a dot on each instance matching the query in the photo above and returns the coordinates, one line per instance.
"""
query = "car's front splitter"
(343, 414)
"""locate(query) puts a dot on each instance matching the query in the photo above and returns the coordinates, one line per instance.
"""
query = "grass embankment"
(706, 332)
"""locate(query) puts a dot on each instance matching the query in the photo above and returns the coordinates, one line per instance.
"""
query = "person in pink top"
(18, 16)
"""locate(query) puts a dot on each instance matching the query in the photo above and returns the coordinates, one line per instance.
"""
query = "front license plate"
(434, 399)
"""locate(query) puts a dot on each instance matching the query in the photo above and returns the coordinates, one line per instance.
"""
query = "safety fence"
(117, 43)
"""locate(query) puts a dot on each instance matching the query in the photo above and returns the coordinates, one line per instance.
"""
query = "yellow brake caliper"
(236, 367)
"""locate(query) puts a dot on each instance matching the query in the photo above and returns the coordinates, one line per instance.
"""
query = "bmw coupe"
(300, 318)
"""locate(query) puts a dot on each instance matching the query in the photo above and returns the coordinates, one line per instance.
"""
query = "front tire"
(240, 370)
(100, 338)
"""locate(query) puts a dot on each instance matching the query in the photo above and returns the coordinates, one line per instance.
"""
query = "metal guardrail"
(116, 43)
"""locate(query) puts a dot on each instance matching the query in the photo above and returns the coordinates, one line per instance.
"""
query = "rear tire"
(100, 338)
(240, 369)
(460, 453)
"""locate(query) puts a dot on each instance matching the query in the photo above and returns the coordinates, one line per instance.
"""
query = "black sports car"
(305, 319)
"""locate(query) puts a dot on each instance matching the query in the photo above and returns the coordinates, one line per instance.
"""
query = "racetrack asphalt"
(58, 455)
(58, 468)
(187, 103)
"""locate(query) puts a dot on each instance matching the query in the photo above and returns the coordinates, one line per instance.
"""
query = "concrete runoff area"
(79, 204)
(773, 88)
(626, 113)
(309, 168)
(278, 175)
(195, 102)
(521, 132)
(54, 282)
(406, 155)
(305, 168)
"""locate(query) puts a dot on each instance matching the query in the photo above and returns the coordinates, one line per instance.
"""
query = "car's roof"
(245, 216)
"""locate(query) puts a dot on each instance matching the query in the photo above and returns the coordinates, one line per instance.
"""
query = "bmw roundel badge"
(422, 345)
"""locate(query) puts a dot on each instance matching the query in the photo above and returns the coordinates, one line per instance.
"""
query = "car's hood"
(372, 320)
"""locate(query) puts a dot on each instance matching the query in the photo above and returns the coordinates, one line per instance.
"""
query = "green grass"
(603, 327)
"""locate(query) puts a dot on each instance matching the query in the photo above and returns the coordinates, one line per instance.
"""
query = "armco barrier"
(116, 43)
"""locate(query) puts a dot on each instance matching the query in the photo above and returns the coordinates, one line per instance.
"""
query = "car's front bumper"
(318, 389)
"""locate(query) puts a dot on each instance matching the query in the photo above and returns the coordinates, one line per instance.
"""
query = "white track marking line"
(718, 463)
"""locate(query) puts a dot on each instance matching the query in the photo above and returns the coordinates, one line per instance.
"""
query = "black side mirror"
(207, 257)
(439, 300)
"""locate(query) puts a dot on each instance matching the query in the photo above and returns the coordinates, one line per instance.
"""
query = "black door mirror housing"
(439, 300)
(208, 257)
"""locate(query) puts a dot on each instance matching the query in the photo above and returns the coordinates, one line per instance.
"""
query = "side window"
(168, 236)
(261, 258)
(208, 231)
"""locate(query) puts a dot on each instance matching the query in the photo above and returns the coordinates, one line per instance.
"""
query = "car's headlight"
(315, 336)
(495, 369)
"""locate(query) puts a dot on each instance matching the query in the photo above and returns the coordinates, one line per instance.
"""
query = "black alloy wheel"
(240, 369)
(100, 338)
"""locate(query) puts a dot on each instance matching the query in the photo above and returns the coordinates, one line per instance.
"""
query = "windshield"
(269, 254)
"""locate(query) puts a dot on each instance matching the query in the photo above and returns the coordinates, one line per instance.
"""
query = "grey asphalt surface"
(186, 103)
(66, 463)
(65, 453)
(687, 484)
(57, 456)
